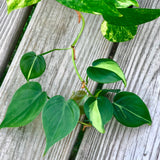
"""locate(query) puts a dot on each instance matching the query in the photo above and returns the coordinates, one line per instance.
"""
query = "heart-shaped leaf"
(32, 66)
(116, 33)
(130, 110)
(80, 98)
(59, 118)
(105, 71)
(25, 106)
(15, 4)
(133, 16)
(99, 111)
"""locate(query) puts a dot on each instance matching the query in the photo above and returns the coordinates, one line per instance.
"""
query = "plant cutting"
(29, 100)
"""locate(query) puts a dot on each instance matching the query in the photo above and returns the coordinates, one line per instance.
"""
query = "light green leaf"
(126, 3)
(105, 71)
(93, 6)
(130, 110)
(133, 16)
(32, 66)
(59, 118)
(80, 98)
(25, 106)
(99, 111)
(116, 33)
(16, 4)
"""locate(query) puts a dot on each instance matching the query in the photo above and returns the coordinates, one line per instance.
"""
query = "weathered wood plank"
(52, 26)
(139, 59)
(10, 29)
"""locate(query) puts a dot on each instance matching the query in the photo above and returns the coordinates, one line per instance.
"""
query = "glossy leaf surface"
(25, 106)
(93, 6)
(16, 4)
(105, 71)
(130, 110)
(99, 111)
(59, 118)
(32, 66)
(133, 16)
(116, 33)
(126, 3)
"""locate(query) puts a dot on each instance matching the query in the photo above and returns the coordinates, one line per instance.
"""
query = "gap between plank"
(98, 86)
(17, 43)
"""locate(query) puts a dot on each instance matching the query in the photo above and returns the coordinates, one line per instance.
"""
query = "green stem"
(84, 123)
(42, 54)
(89, 91)
(83, 24)
(75, 67)
(87, 80)
(79, 76)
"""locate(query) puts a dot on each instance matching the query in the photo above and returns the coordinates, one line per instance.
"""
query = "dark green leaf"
(133, 16)
(15, 4)
(93, 6)
(105, 71)
(103, 92)
(32, 66)
(99, 111)
(25, 106)
(59, 118)
(130, 110)
(80, 98)
(116, 33)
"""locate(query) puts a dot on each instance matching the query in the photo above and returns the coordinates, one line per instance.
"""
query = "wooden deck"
(55, 26)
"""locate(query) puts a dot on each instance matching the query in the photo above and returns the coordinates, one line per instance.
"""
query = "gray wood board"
(140, 61)
(52, 26)
(11, 27)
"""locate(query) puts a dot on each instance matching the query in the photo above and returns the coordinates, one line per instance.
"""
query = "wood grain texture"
(11, 27)
(52, 26)
(140, 61)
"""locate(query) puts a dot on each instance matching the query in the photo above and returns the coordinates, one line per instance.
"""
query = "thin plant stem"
(75, 67)
(79, 76)
(88, 91)
(60, 49)
(81, 31)
(83, 123)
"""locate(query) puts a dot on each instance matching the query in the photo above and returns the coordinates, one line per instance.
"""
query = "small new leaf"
(80, 98)
(105, 71)
(99, 111)
(59, 118)
(32, 66)
(130, 110)
(25, 106)
(116, 33)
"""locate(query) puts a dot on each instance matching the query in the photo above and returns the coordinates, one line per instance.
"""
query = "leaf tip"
(46, 149)
(125, 83)
(150, 123)
(9, 10)
(137, 4)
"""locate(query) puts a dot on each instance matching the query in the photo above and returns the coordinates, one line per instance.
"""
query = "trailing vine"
(59, 116)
